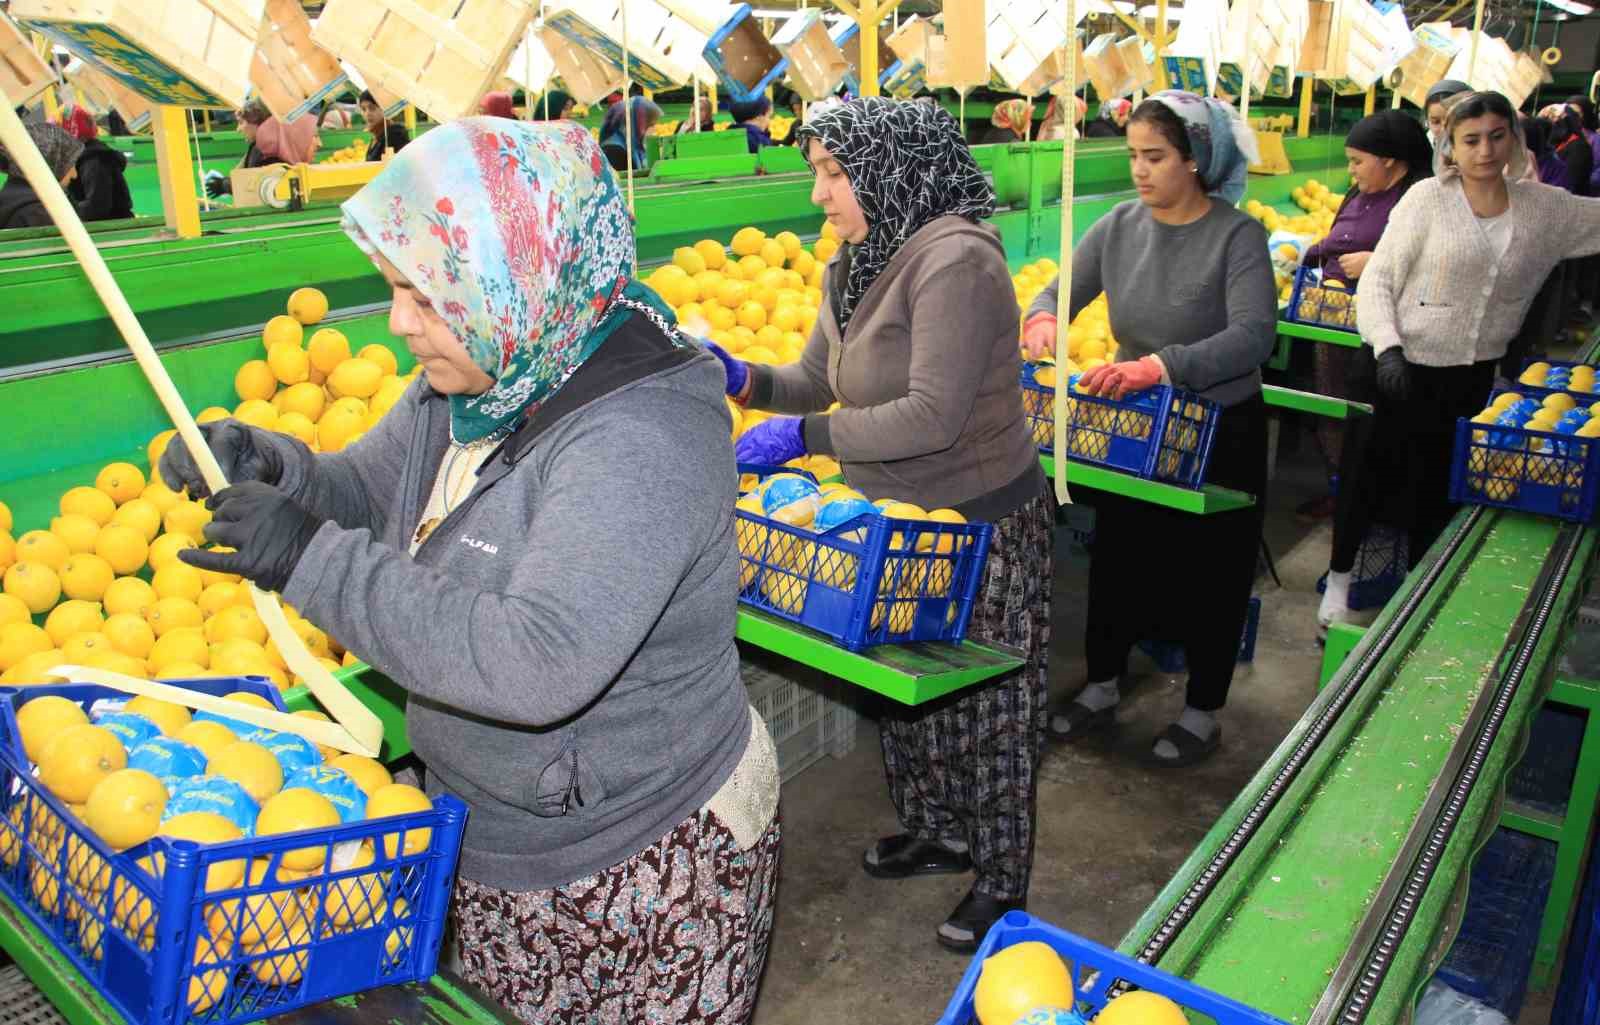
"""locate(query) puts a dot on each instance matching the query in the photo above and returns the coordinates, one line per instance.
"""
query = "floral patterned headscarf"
(1015, 115)
(517, 234)
(1222, 145)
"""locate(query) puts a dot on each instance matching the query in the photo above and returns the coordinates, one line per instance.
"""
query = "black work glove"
(242, 456)
(267, 529)
(1394, 375)
(218, 187)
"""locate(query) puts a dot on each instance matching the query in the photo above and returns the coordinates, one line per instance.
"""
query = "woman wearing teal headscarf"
(537, 544)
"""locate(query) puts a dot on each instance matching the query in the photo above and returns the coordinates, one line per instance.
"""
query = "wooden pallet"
(441, 55)
(292, 74)
(185, 53)
(24, 75)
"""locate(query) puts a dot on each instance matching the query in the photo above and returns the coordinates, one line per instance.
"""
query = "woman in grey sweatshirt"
(1192, 302)
(537, 544)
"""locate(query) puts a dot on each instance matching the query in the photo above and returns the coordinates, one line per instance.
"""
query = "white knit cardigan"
(1434, 287)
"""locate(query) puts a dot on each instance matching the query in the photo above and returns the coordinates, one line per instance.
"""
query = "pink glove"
(1118, 379)
(1039, 336)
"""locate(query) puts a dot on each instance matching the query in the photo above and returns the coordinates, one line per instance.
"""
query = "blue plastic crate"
(1162, 433)
(871, 580)
(1578, 997)
(1540, 472)
(1381, 567)
(1168, 655)
(1313, 303)
(1543, 778)
(1084, 957)
(742, 57)
(161, 948)
(1493, 950)
(1533, 391)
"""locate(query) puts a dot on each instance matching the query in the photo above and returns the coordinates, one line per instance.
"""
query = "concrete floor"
(849, 948)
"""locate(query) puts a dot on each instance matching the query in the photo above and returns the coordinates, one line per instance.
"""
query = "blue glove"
(773, 442)
(738, 371)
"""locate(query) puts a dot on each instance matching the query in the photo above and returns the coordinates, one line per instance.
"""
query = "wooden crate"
(663, 52)
(1140, 60)
(1271, 43)
(392, 106)
(1023, 37)
(1195, 56)
(1364, 45)
(531, 68)
(587, 78)
(185, 53)
(816, 64)
(1319, 30)
(103, 94)
(1103, 66)
(24, 75)
(1426, 65)
(743, 58)
(910, 41)
(441, 55)
(292, 75)
(958, 58)
(1496, 68)
(848, 39)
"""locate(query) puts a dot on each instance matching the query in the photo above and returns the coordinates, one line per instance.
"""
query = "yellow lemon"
(178, 580)
(400, 799)
(752, 315)
(175, 612)
(164, 549)
(8, 551)
(240, 657)
(13, 610)
(287, 968)
(35, 584)
(291, 811)
(90, 502)
(751, 267)
(77, 758)
(87, 648)
(337, 428)
(353, 901)
(86, 577)
(1560, 402)
(772, 253)
(306, 399)
(218, 596)
(245, 697)
(207, 827)
(44, 548)
(289, 364)
(327, 349)
(255, 380)
(1019, 978)
(308, 305)
(236, 621)
(257, 413)
(130, 634)
(180, 671)
(40, 719)
(747, 241)
(158, 495)
(6, 522)
(1140, 1007)
(124, 549)
(264, 915)
(71, 618)
(711, 253)
(169, 717)
(122, 482)
(157, 446)
(824, 250)
(688, 258)
(188, 518)
(211, 414)
(125, 807)
(75, 531)
(369, 773)
(282, 328)
(206, 985)
(141, 514)
(382, 356)
(179, 645)
(208, 735)
(34, 668)
(298, 427)
(251, 766)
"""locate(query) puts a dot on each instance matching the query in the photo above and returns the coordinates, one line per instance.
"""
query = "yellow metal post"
(205, 120)
(180, 203)
(411, 121)
(867, 19)
(1303, 129)
(1372, 100)
(1477, 31)
(1161, 44)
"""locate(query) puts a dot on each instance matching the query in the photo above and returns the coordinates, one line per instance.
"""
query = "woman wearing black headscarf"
(20, 206)
(917, 342)
(1387, 152)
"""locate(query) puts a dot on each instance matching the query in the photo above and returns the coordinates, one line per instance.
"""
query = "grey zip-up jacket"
(566, 634)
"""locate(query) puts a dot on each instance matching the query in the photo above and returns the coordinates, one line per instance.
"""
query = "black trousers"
(1167, 575)
(1396, 465)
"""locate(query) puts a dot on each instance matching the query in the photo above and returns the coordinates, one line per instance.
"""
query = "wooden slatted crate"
(1271, 45)
(24, 75)
(1364, 45)
(1104, 67)
(441, 55)
(817, 66)
(102, 94)
(587, 78)
(292, 74)
(663, 51)
(531, 67)
(959, 57)
(1426, 65)
(185, 53)
(1496, 69)
(1023, 37)
(1195, 56)
(848, 38)
(744, 60)
(1140, 60)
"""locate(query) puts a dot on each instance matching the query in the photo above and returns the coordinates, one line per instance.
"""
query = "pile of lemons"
(1504, 461)
(788, 563)
(355, 153)
(757, 297)
(1089, 340)
(149, 768)
(1320, 204)
(1579, 377)
(103, 586)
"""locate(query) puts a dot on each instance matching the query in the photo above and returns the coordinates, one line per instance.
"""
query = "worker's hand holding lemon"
(773, 442)
(267, 530)
(1118, 379)
(239, 454)
(1039, 336)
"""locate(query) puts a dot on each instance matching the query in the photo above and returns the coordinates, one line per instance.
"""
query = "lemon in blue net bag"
(339, 787)
(218, 795)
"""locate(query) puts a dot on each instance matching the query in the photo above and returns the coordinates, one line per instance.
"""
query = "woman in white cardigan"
(1444, 293)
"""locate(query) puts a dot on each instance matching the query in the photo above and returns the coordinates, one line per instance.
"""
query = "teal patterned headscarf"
(518, 236)
(1223, 146)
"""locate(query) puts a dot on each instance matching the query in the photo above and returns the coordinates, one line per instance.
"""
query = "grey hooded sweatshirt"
(566, 633)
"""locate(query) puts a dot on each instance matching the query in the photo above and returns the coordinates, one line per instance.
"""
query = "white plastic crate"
(803, 711)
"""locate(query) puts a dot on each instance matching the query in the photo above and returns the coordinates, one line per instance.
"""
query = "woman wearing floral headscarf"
(917, 342)
(20, 206)
(1053, 126)
(1012, 121)
(537, 543)
(1193, 303)
(1113, 120)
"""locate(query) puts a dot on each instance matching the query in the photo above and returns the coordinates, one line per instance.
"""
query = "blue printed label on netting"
(216, 794)
(337, 786)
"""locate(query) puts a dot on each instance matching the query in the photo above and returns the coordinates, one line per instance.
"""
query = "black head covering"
(558, 101)
(749, 110)
(1564, 127)
(1536, 131)
(1586, 108)
(1443, 90)
(908, 166)
(1398, 136)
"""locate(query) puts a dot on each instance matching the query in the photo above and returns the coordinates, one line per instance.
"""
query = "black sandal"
(904, 856)
(970, 921)
(1191, 749)
(1082, 721)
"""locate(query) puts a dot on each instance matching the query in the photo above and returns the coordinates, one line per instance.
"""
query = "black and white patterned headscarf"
(908, 166)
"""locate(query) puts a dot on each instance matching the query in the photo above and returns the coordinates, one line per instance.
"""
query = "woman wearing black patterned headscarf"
(20, 206)
(917, 343)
